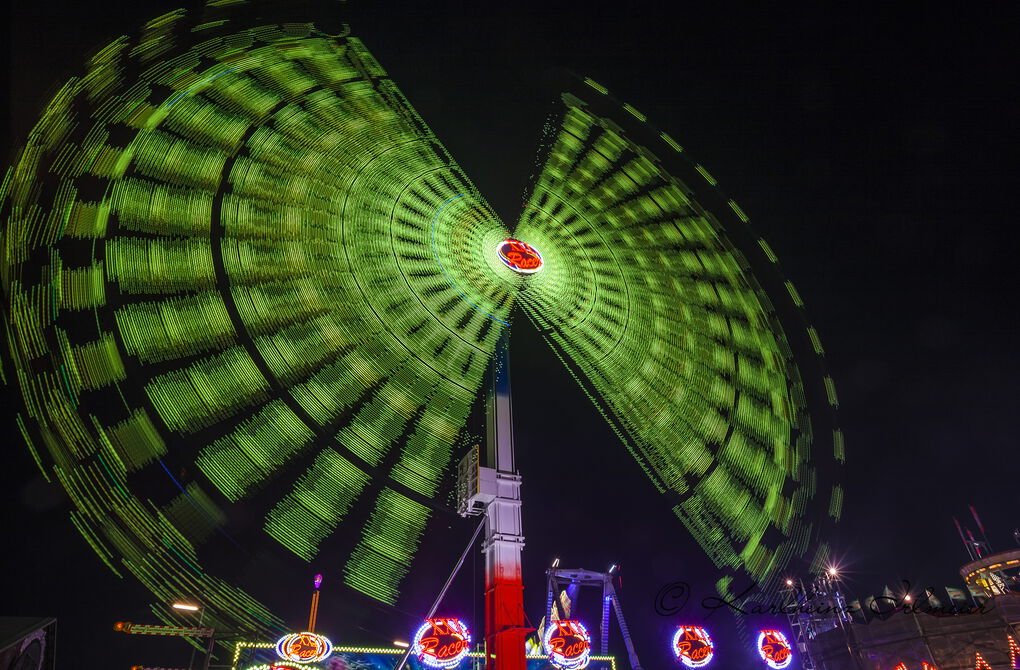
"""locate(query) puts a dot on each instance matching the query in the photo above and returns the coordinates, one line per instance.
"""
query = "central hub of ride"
(519, 256)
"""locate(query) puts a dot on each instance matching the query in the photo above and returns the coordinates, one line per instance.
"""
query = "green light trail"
(224, 251)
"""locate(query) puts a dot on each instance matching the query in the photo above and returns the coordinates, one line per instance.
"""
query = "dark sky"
(874, 147)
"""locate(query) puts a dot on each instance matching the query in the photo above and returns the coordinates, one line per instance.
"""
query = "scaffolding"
(557, 578)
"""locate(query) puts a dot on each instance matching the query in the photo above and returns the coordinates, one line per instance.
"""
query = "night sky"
(874, 148)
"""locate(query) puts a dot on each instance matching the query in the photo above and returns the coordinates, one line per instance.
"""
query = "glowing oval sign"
(774, 649)
(304, 647)
(568, 644)
(442, 643)
(519, 256)
(693, 647)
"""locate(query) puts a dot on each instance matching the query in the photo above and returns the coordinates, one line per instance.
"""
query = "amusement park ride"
(557, 577)
(241, 273)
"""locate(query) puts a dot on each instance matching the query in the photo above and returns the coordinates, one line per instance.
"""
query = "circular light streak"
(607, 235)
(435, 253)
(304, 647)
(519, 256)
(568, 644)
(693, 647)
(442, 642)
(774, 649)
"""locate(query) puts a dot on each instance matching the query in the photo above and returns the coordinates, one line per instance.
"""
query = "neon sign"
(442, 643)
(774, 649)
(519, 256)
(304, 647)
(568, 644)
(693, 647)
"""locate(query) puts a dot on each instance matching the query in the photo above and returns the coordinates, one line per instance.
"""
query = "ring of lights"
(226, 258)
(693, 646)
(568, 644)
(442, 642)
(304, 647)
(774, 649)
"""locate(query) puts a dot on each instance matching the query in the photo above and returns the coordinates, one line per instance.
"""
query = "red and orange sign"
(693, 647)
(442, 642)
(568, 644)
(774, 649)
(519, 256)
(304, 647)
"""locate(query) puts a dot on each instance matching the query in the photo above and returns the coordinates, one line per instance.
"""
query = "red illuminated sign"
(774, 649)
(568, 644)
(304, 647)
(693, 647)
(442, 643)
(519, 256)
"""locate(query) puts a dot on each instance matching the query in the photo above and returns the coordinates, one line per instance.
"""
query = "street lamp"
(188, 607)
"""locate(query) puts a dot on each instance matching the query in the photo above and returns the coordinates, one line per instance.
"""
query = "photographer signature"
(674, 596)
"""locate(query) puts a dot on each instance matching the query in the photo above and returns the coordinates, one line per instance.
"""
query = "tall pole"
(209, 652)
(505, 628)
(849, 635)
(313, 612)
(607, 599)
(191, 659)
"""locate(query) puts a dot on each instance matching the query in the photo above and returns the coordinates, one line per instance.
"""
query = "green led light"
(259, 249)
(241, 646)
(670, 141)
(239, 253)
(704, 173)
(652, 309)
(595, 85)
